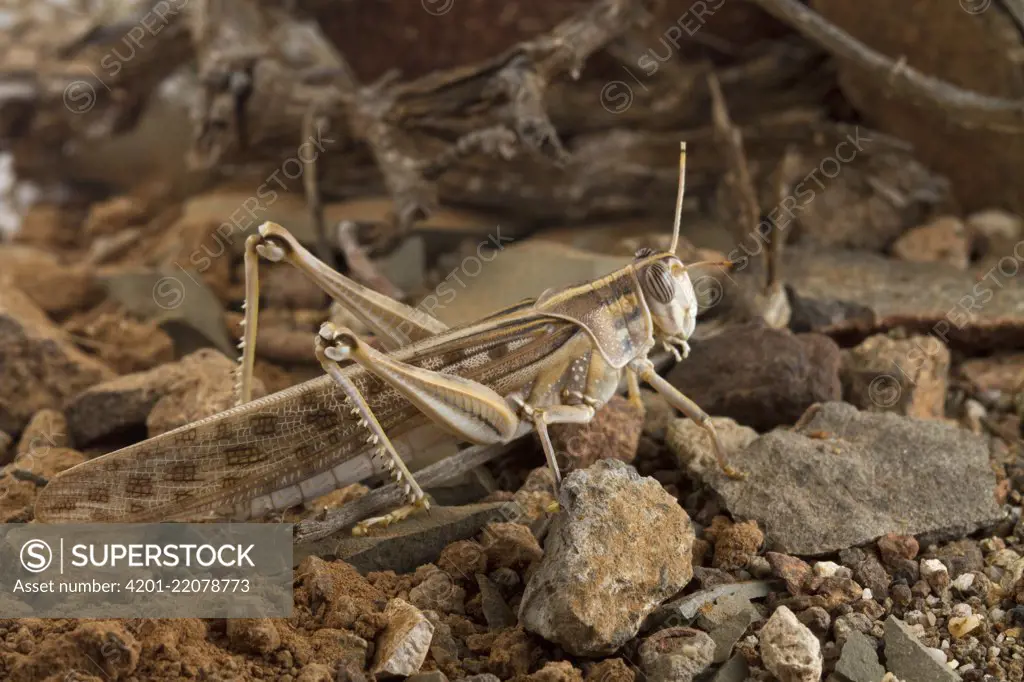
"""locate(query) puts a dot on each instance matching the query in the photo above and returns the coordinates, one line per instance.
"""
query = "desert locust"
(551, 360)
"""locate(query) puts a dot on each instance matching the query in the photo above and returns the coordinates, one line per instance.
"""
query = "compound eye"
(658, 283)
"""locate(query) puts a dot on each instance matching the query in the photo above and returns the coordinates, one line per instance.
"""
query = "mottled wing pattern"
(290, 436)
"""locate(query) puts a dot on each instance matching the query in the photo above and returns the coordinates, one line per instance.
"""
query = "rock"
(614, 433)
(961, 626)
(684, 610)
(439, 592)
(197, 386)
(868, 571)
(556, 671)
(485, 677)
(692, 446)
(908, 659)
(254, 635)
(611, 670)
(513, 652)
(935, 573)
(47, 462)
(418, 540)
(588, 594)
(676, 655)
(509, 545)
(794, 571)
(895, 548)
(496, 612)
(844, 478)
(943, 240)
(905, 376)
(126, 344)
(47, 428)
(994, 233)
(403, 645)
(789, 650)
(858, 661)
(816, 619)
(179, 302)
(57, 288)
(735, 543)
(726, 622)
(760, 377)
(39, 365)
(463, 559)
(735, 670)
(858, 293)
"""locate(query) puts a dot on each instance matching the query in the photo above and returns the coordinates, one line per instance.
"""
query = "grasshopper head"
(668, 293)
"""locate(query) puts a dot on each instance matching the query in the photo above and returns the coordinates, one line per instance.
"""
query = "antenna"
(679, 197)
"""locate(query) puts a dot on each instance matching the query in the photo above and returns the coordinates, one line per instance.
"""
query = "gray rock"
(691, 445)
(179, 302)
(735, 670)
(908, 659)
(676, 655)
(589, 593)
(485, 677)
(683, 611)
(439, 592)
(862, 475)
(858, 661)
(726, 622)
(414, 542)
(759, 376)
(789, 650)
(496, 612)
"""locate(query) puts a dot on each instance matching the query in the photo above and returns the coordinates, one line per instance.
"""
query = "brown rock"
(994, 233)
(513, 652)
(203, 386)
(171, 395)
(114, 215)
(611, 670)
(893, 547)
(760, 377)
(692, 446)
(613, 433)
(796, 572)
(126, 344)
(905, 376)
(48, 462)
(509, 545)
(556, 671)
(48, 227)
(463, 559)
(735, 543)
(944, 240)
(439, 592)
(39, 366)
(253, 635)
(57, 288)
(47, 429)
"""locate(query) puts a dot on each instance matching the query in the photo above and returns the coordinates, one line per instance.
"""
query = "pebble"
(403, 644)
(789, 650)
(964, 582)
(676, 654)
(961, 626)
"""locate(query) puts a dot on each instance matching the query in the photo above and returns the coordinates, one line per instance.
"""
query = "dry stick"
(965, 107)
(392, 495)
(360, 266)
(738, 175)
